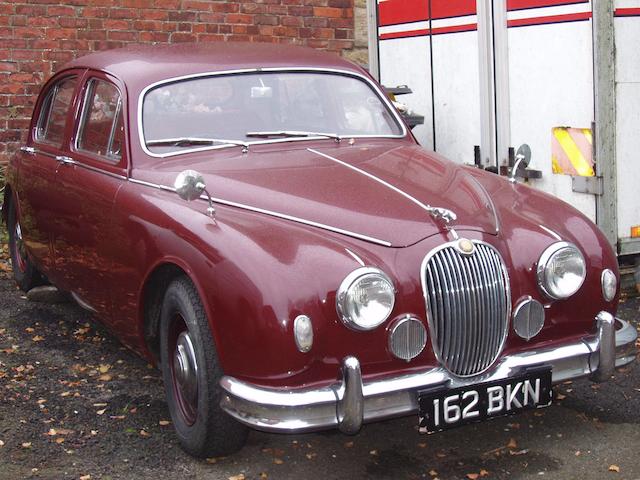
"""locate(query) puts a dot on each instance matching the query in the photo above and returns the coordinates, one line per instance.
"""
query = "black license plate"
(445, 409)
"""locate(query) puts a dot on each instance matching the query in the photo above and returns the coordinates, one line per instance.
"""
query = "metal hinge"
(592, 185)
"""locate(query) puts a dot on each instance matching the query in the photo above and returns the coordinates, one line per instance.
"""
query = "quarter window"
(53, 115)
(101, 125)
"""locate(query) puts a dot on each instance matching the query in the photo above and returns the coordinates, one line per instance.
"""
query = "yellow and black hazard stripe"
(572, 151)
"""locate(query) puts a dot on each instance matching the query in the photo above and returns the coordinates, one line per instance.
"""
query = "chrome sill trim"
(290, 411)
(383, 97)
(65, 160)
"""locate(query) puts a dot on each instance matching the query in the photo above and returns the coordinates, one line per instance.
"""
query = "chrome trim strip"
(302, 410)
(82, 303)
(355, 257)
(454, 299)
(63, 159)
(434, 212)
(383, 97)
(271, 213)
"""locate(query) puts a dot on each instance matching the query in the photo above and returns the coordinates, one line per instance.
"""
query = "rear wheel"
(191, 374)
(24, 272)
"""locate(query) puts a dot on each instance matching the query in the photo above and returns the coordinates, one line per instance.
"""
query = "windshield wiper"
(292, 133)
(193, 141)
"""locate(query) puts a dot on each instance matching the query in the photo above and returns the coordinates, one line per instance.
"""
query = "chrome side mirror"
(189, 185)
(522, 159)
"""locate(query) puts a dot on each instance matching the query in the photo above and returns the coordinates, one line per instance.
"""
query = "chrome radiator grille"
(468, 306)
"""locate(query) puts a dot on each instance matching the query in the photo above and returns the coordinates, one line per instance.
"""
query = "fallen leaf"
(164, 423)
(104, 368)
(29, 330)
(512, 443)
(85, 477)
(348, 444)
(144, 433)
(105, 377)
(433, 473)
(28, 445)
(277, 461)
(117, 417)
(264, 475)
(240, 476)
(212, 460)
(484, 473)
(578, 453)
(52, 432)
(560, 396)
(373, 452)
(99, 404)
(38, 338)
(100, 412)
(65, 394)
(473, 476)
(518, 452)
(422, 445)
(59, 440)
(1, 443)
(441, 455)
(311, 456)
(614, 468)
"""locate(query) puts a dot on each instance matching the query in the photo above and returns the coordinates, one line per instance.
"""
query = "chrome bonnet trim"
(351, 401)
(382, 96)
(271, 213)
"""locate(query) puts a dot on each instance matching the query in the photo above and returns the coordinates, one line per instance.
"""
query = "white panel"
(628, 156)
(551, 85)
(627, 51)
(456, 95)
(405, 61)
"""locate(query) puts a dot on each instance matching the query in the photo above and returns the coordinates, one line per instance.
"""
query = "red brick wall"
(38, 36)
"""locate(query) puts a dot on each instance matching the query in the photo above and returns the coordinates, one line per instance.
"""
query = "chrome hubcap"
(185, 367)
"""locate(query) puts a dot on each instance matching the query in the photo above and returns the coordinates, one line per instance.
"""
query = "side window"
(53, 115)
(101, 127)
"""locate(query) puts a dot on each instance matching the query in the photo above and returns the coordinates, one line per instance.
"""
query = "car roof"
(141, 65)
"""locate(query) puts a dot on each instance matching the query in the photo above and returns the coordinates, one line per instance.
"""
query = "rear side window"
(53, 115)
(101, 124)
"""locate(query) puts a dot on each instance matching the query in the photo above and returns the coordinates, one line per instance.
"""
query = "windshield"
(240, 109)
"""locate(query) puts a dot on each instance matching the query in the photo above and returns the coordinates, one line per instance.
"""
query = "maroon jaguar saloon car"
(259, 222)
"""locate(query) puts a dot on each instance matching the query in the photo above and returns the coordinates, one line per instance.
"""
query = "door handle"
(65, 160)
(29, 150)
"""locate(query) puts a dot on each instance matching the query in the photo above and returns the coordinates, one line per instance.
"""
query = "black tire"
(25, 273)
(203, 428)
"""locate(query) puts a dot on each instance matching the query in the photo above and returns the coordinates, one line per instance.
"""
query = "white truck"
(561, 76)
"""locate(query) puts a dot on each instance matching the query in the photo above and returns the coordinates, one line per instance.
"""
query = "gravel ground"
(75, 404)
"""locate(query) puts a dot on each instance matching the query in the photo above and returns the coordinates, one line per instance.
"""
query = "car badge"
(465, 246)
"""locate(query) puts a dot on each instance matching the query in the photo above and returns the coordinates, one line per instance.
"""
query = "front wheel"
(24, 272)
(191, 374)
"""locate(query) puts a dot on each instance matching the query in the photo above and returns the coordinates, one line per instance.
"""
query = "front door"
(89, 182)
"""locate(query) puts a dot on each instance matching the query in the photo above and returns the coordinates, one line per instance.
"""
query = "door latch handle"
(65, 160)
(29, 150)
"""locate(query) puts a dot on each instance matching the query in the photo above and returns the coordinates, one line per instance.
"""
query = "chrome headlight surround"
(546, 279)
(347, 304)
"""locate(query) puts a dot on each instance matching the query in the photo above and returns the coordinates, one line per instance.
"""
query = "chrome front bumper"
(349, 403)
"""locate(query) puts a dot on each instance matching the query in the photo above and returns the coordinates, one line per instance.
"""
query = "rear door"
(37, 188)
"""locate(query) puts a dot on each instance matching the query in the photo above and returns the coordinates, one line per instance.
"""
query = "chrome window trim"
(349, 280)
(382, 96)
(425, 296)
(51, 97)
(83, 114)
(544, 259)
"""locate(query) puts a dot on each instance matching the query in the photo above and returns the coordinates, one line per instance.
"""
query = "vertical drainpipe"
(487, 83)
(372, 34)
(605, 116)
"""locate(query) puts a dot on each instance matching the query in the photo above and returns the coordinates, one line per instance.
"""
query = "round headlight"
(561, 270)
(609, 284)
(365, 298)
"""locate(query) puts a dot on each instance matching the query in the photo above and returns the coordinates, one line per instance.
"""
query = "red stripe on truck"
(627, 12)
(524, 4)
(435, 31)
(569, 17)
(394, 12)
